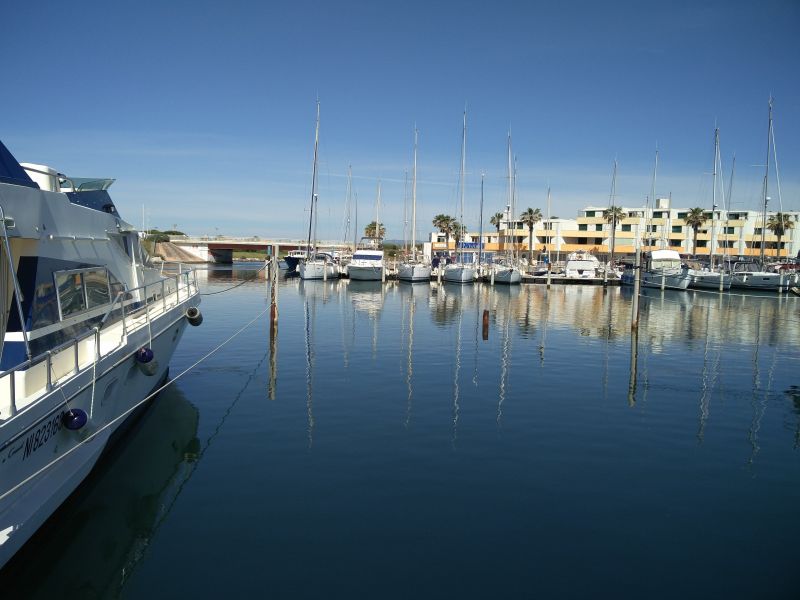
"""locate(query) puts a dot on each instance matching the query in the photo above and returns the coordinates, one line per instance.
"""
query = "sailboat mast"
(414, 201)
(349, 201)
(480, 225)
(766, 185)
(652, 196)
(459, 251)
(549, 227)
(714, 195)
(377, 209)
(313, 185)
(510, 194)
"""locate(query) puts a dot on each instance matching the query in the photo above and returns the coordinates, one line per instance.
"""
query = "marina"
(284, 313)
(374, 438)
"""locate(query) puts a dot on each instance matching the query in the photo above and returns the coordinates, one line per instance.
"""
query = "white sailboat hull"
(509, 275)
(414, 272)
(317, 269)
(459, 274)
(708, 280)
(760, 280)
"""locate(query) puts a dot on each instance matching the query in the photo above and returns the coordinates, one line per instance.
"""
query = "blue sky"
(204, 111)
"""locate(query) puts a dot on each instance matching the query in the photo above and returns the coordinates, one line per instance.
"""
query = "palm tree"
(496, 220)
(778, 224)
(695, 219)
(530, 218)
(446, 225)
(370, 230)
(613, 215)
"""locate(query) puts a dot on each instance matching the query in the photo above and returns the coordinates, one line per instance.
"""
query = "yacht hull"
(657, 280)
(707, 280)
(365, 272)
(459, 274)
(36, 489)
(317, 270)
(507, 276)
(761, 280)
(414, 272)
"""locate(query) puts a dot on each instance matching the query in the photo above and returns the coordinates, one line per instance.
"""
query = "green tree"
(370, 230)
(446, 225)
(613, 215)
(531, 217)
(779, 224)
(695, 219)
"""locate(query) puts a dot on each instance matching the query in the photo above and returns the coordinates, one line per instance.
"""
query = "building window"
(598, 241)
(674, 242)
(682, 215)
(590, 213)
(730, 230)
(702, 243)
(582, 227)
(758, 230)
(658, 214)
(626, 227)
(598, 227)
(677, 229)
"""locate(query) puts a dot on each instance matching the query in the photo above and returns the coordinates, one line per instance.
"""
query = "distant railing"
(66, 359)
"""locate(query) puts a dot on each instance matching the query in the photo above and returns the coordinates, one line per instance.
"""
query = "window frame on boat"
(88, 301)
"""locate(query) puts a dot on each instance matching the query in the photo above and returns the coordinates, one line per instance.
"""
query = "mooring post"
(485, 324)
(637, 275)
(273, 300)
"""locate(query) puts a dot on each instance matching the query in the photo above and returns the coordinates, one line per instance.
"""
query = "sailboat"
(316, 265)
(506, 269)
(414, 269)
(367, 262)
(709, 278)
(749, 275)
(461, 272)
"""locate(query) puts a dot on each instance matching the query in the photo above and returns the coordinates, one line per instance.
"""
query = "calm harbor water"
(382, 448)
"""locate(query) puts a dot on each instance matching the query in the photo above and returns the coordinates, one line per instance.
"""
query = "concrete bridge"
(220, 249)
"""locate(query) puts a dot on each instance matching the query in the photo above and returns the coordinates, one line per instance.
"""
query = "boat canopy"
(11, 171)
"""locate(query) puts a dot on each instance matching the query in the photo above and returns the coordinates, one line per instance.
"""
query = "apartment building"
(737, 233)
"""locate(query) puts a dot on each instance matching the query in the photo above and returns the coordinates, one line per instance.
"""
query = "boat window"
(71, 298)
(84, 289)
(97, 289)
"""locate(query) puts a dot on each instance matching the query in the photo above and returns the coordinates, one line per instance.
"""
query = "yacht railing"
(85, 350)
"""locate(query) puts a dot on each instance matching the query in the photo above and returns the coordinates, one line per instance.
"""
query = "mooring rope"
(134, 407)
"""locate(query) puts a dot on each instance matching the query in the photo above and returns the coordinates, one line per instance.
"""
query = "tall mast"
(377, 208)
(313, 185)
(414, 202)
(461, 182)
(349, 201)
(510, 195)
(612, 195)
(766, 185)
(714, 195)
(480, 225)
(405, 212)
(647, 213)
(549, 227)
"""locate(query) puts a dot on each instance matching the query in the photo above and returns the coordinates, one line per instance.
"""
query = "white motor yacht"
(367, 261)
(582, 265)
(88, 328)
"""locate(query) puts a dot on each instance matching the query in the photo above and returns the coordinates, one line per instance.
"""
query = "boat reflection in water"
(92, 544)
